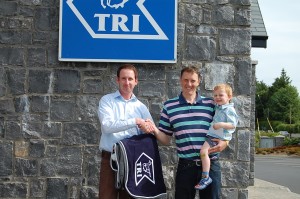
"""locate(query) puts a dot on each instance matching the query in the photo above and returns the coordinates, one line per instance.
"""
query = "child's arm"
(229, 123)
(224, 125)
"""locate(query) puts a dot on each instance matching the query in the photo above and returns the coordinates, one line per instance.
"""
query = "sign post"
(141, 31)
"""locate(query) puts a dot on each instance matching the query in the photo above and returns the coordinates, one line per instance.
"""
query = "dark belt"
(188, 162)
(197, 162)
(105, 154)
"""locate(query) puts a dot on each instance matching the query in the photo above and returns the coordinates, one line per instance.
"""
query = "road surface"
(279, 169)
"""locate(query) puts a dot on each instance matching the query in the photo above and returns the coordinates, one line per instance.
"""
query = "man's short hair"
(130, 67)
(190, 69)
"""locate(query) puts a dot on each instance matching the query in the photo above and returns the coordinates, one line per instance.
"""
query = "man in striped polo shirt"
(188, 117)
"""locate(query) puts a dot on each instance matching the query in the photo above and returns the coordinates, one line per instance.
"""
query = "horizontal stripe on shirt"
(188, 122)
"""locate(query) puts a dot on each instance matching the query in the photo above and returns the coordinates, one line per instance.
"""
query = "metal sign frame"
(140, 31)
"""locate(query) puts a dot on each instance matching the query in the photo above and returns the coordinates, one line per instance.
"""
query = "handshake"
(147, 126)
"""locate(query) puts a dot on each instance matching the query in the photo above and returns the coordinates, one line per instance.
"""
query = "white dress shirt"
(117, 118)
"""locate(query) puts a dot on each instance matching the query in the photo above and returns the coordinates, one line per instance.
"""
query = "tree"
(280, 82)
(261, 100)
(284, 105)
(280, 102)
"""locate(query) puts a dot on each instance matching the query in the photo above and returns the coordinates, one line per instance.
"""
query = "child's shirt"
(224, 113)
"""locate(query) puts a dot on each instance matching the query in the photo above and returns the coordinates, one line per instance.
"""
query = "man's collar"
(117, 94)
(182, 100)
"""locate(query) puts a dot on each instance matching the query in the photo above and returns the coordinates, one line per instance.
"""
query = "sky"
(282, 21)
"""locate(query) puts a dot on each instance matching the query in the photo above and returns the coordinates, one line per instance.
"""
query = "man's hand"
(139, 121)
(149, 127)
(145, 125)
(219, 147)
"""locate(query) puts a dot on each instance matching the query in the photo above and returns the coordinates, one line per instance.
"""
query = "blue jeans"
(188, 175)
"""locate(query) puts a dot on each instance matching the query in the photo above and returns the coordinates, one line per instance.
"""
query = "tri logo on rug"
(144, 169)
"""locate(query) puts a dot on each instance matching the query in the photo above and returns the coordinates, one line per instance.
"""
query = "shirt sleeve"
(145, 114)
(164, 122)
(232, 117)
(109, 123)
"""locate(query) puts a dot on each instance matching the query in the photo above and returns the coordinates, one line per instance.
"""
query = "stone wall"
(49, 130)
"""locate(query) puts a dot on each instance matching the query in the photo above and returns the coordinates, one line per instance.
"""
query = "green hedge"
(291, 128)
(279, 126)
(291, 141)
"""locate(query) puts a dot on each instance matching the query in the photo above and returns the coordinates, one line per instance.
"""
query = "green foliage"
(297, 128)
(264, 125)
(275, 123)
(268, 134)
(291, 141)
(278, 126)
(280, 82)
(291, 128)
(285, 104)
(280, 102)
(261, 99)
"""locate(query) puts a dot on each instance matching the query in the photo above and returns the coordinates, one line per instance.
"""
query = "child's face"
(221, 97)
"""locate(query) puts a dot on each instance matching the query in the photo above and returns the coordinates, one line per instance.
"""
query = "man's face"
(126, 82)
(189, 83)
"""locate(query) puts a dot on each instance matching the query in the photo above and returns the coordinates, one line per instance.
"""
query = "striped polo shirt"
(188, 122)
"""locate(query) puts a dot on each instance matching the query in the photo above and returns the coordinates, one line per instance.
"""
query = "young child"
(222, 127)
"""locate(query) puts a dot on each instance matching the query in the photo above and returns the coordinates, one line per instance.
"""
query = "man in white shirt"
(121, 116)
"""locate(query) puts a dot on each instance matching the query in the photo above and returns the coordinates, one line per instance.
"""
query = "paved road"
(282, 170)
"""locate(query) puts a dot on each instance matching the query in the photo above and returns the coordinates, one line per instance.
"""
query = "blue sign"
(118, 31)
